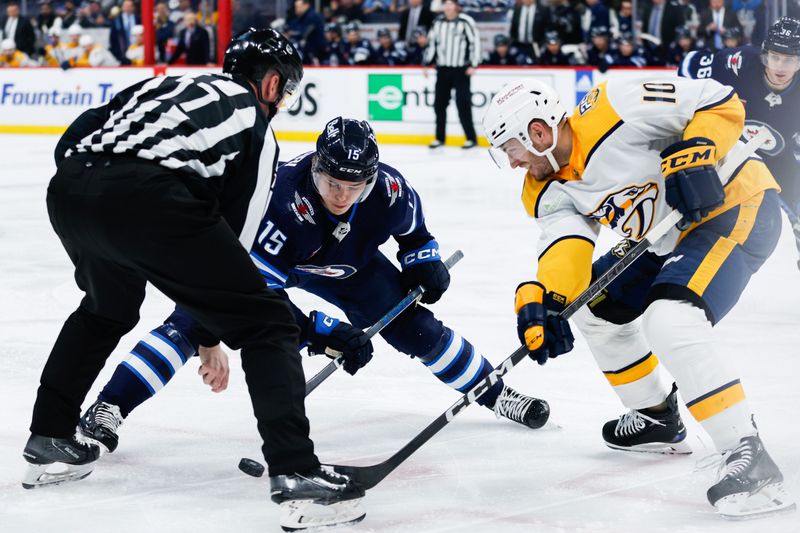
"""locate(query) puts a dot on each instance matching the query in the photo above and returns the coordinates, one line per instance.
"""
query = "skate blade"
(770, 500)
(54, 474)
(298, 515)
(665, 448)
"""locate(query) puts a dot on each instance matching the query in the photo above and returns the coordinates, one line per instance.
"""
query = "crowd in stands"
(601, 33)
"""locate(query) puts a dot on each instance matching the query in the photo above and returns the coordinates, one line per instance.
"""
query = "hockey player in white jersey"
(630, 153)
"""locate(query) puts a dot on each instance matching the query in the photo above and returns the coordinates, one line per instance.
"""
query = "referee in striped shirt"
(454, 46)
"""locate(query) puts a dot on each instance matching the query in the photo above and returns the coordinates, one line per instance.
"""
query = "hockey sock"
(149, 366)
(456, 363)
(624, 356)
(683, 338)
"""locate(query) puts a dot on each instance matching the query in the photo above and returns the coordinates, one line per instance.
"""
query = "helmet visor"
(291, 93)
(781, 62)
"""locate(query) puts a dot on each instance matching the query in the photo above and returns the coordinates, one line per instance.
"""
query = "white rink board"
(397, 101)
(175, 470)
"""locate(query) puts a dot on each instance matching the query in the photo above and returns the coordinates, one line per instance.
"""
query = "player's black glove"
(332, 337)
(539, 326)
(692, 183)
(424, 266)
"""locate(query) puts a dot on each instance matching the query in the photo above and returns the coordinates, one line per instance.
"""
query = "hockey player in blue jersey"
(331, 210)
(767, 83)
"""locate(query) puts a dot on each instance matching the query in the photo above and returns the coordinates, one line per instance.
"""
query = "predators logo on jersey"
(589, 100)
(629, 211)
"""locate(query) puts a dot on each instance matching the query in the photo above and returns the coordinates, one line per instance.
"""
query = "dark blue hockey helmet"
(347, 151)
(333, 27)
(384, 32)
(254, 52)
(501, 40)
(783, 37)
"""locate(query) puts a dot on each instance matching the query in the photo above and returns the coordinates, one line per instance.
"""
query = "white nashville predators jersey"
(614, 176)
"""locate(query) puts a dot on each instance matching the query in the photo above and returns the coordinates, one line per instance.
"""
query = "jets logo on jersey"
(394, 189)
(773, 100)
(774, 143)
(302, 208)
(330, 271)
(734, 62)
(589, 100)
(629, 211)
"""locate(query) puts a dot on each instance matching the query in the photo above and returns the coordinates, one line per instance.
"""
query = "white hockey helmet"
(513, 109)
(8, 45)
(138, 29)
(74, 30)
(86, 40)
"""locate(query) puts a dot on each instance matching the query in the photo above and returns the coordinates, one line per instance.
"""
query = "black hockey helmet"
(384, 32)
(333, 27)
(253, 52)
(783, 37)
(347, 150)
(501, 40)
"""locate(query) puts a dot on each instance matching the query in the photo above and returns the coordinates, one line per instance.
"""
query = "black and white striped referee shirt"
(453, 43)
(207, 127)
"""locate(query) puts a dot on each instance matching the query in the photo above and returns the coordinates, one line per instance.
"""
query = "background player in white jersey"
(766, 81)
(631, 152)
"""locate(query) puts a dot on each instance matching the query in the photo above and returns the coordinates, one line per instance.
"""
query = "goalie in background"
(631, 152)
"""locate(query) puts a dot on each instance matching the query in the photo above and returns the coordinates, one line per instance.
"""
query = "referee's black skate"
(750, 484)
(57, 460)
(100, 424)
(639, 431)
(525, 410)
(320, 497)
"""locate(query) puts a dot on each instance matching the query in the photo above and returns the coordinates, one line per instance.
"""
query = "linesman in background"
(454, 46)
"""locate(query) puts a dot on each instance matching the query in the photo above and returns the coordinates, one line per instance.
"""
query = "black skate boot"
(41, 452)
(637, 431)
(522, 409)
(750, 484)
(100, 423)
(317, 498)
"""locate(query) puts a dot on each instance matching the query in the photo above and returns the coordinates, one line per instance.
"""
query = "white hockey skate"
(57, 460)
(318, 498)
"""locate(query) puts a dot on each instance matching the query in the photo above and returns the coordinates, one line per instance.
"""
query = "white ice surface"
(175, 469)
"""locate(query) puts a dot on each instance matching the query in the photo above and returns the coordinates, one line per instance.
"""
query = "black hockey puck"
(251, 467)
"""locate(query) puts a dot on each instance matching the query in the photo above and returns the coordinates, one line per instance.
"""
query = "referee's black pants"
(125, 222)
(447, 79)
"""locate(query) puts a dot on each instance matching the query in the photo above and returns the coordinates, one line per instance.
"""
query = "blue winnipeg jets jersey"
(299, 237)
(741, 68)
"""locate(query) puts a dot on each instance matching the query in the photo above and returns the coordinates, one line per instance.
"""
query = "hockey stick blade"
(370, 476)
(374, 329)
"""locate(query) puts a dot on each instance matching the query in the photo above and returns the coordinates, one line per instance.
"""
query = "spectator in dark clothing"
(165, 30)
(68, 14)
(599, 52)
(334, 54)
(625, 17)
(349, 10)
(682, 45)
(598, 16)
(119, 37)
(564, 19)
(388, 52)
(308, 29)
(660, 20)
(553, 55)
(358, 50)
(504, 54)
(529, 21)
(715, 23)
(416, 50)
(93, 16)
(46, 18)
(193, 41)
(627, 54)
(18, 29)
(417, 15)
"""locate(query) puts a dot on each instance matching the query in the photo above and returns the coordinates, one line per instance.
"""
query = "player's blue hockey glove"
(424, 266)
(692, 182)
(539, 326)
(332, 337)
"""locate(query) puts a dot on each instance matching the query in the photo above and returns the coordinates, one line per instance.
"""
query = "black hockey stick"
(373, 330)
(369, 476)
